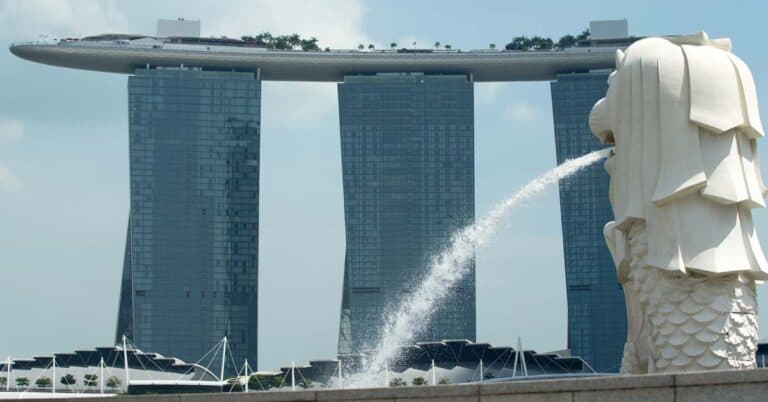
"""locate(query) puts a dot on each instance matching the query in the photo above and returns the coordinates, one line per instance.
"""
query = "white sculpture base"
(685, 322)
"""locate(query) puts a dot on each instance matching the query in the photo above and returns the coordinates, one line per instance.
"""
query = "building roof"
(124, 56)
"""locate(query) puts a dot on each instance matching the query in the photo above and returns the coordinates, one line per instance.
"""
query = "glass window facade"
(192, 255)
(596, 309)
(407, 148)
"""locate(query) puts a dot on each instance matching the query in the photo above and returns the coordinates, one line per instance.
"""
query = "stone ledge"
(744, 386)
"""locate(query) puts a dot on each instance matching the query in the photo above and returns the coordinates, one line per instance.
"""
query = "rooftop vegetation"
(295, 42)
(283, 42)
(542, 43)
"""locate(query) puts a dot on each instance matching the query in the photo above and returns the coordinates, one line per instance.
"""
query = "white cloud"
(28, 19)
(8, 181)
(519, 111)
(10, 131)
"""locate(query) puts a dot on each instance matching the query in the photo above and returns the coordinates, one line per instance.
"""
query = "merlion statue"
(682, 114)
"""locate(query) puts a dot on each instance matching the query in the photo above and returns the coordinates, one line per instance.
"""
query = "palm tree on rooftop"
(360, 46)
(447, 46)
(294, 40)
(492, 46)
(393, 45)
(437, 45)
(371, 47)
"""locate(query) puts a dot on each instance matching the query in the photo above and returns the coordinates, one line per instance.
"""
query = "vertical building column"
(596, 309)
(407, 148)
(192, 253)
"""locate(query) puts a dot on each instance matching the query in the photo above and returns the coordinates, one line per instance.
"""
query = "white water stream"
(446, 268)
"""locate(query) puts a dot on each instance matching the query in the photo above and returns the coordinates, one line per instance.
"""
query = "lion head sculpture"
(682, 113)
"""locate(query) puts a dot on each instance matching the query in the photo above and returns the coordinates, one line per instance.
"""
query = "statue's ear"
(619, 59)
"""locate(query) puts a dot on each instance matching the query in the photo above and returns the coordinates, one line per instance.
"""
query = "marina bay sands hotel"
(190, 272)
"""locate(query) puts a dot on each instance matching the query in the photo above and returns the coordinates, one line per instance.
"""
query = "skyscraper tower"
(407, 148)
(597, 322)
(191, 267)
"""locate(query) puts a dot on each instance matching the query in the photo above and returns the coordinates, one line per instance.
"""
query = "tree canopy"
(68, 380)
(90, 380)
(283, 42)
(113, 382)
(541, 43)
(44, 382)
(397, 382)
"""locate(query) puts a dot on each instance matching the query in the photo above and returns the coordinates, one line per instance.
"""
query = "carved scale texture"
(690, 321)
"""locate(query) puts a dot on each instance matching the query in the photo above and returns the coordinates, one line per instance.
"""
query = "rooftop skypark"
(296, 42)
(303, 61)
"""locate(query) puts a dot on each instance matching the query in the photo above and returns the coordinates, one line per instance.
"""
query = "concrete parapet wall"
(743, 386)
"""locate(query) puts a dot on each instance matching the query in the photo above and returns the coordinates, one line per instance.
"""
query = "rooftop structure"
(449, 361)
(104, 363)
(178, 27)
(124, 53)
(610, 29)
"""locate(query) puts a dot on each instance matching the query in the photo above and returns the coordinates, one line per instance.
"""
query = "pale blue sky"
(64, 163)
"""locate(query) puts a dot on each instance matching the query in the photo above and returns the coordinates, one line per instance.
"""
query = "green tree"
(397, 382)
(437, 45)
(566, 41)
(444, 381)
(419, 381)
(309, 44)
(43, 382)
(447, 46)
(260, 382)
(90, 380)
(68, 380)
(371, 47)
(22, 382)
(360, 46)
(305, 383)
(519, 43)
(294, 40)
(492, 46)
(264, 37)
(393, 45)
(278, 382)
(281, 42)
(113, 383)
(584, 37)
(541, 43)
